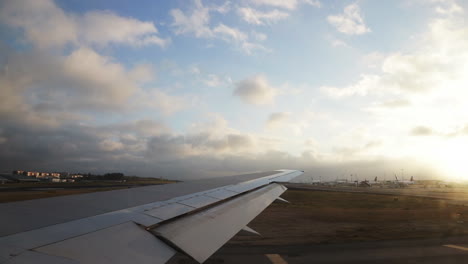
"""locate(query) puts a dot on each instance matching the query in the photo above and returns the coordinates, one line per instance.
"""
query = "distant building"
(42, 175)
(58, 180)
(32, 174)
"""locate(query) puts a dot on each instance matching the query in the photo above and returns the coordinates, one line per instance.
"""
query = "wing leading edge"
(197, 224)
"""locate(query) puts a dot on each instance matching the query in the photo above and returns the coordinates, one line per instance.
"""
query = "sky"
(190, 89)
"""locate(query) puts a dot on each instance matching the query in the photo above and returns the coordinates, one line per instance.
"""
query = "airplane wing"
(137, 225)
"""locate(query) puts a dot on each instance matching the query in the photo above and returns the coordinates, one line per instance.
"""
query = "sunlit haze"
(186, 89)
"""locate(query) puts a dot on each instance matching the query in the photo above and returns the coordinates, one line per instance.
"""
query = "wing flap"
(201, 234)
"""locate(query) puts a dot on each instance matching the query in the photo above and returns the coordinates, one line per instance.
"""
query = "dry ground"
(337, 217)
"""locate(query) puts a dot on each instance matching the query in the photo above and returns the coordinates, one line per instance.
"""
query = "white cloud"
(286, 4)
(234, 35)
(88, 79)
(255, 90)
(365, 84)
(198, 24)
(438, 64)
(142, 73)
(212, 80)
(447, 7)
(350, 22)
(43, 22)
(104, 27)
(335, 42)
(156, 99)
(396, 103)
(425, 84)
(256, 17)
(315, 3)
(46, 25)
(230, 34)
(222, 9)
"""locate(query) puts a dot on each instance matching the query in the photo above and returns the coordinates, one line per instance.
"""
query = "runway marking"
(457, 247)
(276, 259)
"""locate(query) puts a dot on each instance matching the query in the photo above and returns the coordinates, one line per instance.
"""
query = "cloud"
(230, 34)
(286, 4)
(49, 90)
(256, 17)
(422, 131)
(427, 131)
(438, 63)
(234, 35)
(365, 84)
(259, 36)
(37, 18)
(396, 103)
(276, 119)
(338, 43)
(350, 22)
(255, 90)
(47, 26)
(197, 22)
(82, 79)
(149, 148)
(212, 80)
(447, 7)
(156, 99)
(105, 27)
(61, 77)
(346, 152)
(460, 131)
(373, 60)
(213, 138)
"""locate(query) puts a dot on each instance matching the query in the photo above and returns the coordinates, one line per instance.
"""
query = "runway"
(447, 250)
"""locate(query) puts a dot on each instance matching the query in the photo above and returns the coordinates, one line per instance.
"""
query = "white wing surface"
(196, 224)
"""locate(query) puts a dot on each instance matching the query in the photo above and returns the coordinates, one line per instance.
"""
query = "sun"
(451, 158)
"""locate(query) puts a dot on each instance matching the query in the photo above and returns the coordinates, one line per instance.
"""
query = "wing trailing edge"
(197, 224)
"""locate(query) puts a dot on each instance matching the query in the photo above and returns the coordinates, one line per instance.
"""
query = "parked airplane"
(375, 182)
(403, 183)
(137, 225)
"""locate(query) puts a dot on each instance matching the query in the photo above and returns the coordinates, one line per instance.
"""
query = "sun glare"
(450, 158)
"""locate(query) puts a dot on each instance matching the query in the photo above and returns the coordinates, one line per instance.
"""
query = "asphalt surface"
(444, 250)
